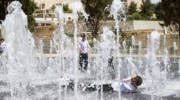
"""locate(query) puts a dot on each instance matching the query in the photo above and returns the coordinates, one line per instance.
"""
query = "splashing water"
(151, 53)
(34, 76)
(20, 43)
(78, 7)
(118, 13)
(20, 48)
(106, 47)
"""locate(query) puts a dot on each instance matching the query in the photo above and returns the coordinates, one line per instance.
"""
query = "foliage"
(147, 9)
(28, 7)
(135, 16)
(66, 8)
(69, 34)
(169, 11)
(31, 22)
(52, 7)
(95, 9)
(3, 7)
(132, 8)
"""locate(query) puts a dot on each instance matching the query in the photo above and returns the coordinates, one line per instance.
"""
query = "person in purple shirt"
(83, 53)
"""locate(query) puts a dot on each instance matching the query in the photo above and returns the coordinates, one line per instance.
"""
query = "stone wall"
(170, 38)
(136, 25)
(140, 28)
(146, 25)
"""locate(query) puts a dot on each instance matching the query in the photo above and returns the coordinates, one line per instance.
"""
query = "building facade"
(138, 2)
(47, 4)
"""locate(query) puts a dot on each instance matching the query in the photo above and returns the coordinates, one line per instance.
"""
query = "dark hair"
(138, 80)
(83, 35)
(1, 39)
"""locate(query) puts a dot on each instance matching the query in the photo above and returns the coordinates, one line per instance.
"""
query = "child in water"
(126, 86)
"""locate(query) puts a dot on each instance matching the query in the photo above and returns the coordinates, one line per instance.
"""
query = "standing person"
(110, 58)
(111, 47)
(2, 45)
(83, 52)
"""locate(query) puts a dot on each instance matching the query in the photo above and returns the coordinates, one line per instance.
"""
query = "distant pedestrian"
(83, 53)
(110, 49)
(2, 45)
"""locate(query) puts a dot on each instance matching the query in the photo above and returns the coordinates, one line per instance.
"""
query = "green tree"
(95, 9)
(66, 8)
(52, 7)
(28, 7)
(133, 14)
(132, 8)
(3, 7)
(169, 11)
(147, 9)
(136, 16)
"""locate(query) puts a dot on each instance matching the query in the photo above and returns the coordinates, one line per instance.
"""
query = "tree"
(28, 7)
(3, 7)
(136, 16)
(66, 8)
(169, 11)
(133, 14)
(95, 9)
(147, 9)
(132, 8)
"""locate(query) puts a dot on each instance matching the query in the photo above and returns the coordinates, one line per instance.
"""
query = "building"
(47, 4)
(138, 2)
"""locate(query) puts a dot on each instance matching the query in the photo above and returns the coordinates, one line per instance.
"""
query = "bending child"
(126, 86)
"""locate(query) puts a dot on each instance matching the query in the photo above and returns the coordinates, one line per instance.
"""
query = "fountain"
(179, 66)
(28, 74)
(118, 13)
(20, 44)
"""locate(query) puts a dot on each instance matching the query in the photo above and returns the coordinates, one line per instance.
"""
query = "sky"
(155, 1)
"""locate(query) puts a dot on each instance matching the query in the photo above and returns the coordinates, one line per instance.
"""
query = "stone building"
(47, 4)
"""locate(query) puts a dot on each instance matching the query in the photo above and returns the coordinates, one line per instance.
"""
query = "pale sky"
(155, 1)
